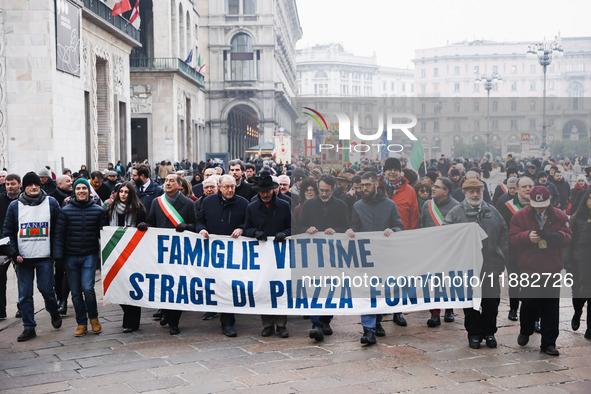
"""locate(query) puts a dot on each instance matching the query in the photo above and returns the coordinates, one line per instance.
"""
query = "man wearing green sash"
(433, 214)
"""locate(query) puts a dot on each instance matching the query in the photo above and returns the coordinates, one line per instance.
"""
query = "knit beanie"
(31, 178)
(392, 163)
(81, 180)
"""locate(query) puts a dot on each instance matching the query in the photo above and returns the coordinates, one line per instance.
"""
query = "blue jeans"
(318, 321)
(45, 283)
(80, 271)
(369, 321)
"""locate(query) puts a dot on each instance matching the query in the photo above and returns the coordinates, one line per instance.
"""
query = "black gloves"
(260, 235)
(554, 239)
(280, 237)
(142, 226)
(182, 227)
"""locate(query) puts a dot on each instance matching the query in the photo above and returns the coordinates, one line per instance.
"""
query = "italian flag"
(416, 156)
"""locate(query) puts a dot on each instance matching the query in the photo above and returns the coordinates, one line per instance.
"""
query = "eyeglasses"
(310, 190)
(366, 184)
(209, 187)
(228, 187)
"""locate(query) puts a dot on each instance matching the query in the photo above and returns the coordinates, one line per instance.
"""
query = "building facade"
(64, 80)
(250, 71)
(512, 119)
(167, 89)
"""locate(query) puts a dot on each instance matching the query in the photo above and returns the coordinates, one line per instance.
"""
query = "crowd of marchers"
(534, 221)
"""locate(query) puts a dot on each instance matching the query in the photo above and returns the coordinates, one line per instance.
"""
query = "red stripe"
(122, 259)
(172, 219)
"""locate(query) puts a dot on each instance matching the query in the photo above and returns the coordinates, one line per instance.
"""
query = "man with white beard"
(482, 324)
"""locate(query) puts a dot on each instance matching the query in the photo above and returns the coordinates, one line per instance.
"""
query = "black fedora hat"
(264, 182)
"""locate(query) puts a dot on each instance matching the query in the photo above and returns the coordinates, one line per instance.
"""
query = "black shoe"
(399, 320)
(326, 329)
(127, 330)
(229, 331)
(588, 334)
(208, 315)
(316, 334)
(282, 332)
(449, 317)
(380, 332)
(158, 314)
(18, 314)
(174, 329)
(268, 331)
(28, 333)
(369, 337)
(56, 320)
(512, 315)
(62, 308)
(434, 321)
(491, 342)
(164, 320)
(522, 339)
(538, 326)
(575, 323)
(474, 342)
(551, 351)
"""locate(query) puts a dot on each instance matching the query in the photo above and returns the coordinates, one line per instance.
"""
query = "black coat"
(245, 190)
(153, 191)
(222, 217)
(272, 220)
(183, 205)
(577, 255)
(49, 187)
(322, 215)
(78, 229)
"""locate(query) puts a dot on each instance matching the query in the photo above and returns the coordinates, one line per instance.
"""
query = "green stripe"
(113, 242)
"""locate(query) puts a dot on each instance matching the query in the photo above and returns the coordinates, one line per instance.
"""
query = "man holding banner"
(222, 213)
(171, 210)
(269, 216)
(437, 209)
(374, 212)
(483, 324)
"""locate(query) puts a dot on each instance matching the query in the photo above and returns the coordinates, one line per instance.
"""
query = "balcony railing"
(167, 64)
(101, 10)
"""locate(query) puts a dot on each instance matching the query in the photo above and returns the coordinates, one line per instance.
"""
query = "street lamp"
(544, 52)
(488, 81)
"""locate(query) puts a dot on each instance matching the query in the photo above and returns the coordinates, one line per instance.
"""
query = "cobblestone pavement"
(414, 358)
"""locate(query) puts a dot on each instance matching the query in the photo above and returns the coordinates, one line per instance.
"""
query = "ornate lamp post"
(544, 52)
(488, 81)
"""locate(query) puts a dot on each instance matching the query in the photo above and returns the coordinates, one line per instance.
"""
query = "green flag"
(416, 156)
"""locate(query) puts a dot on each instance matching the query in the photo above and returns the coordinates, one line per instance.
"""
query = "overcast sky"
(393, 29)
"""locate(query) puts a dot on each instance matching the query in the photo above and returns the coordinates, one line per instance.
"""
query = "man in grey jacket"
(483, 324)
(374, 212)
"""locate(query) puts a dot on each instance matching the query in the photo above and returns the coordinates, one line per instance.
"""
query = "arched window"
(575, 92)
(242, 66)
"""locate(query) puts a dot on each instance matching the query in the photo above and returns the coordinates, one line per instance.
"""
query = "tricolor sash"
(435, 213)
(513, 207)
(171, 213)
(504, 188)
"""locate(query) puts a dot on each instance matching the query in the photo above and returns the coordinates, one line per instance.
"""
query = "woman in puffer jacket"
(126, 210)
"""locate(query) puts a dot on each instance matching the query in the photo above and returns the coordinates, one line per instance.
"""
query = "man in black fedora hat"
(268, 216)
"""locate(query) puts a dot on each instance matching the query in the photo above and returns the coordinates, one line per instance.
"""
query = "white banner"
(423, 269)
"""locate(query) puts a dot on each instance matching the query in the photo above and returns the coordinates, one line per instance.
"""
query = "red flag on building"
(120, 6)
(135, 15)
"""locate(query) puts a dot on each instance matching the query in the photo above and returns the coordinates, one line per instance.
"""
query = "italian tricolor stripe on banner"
(119, 247)
(170, 212)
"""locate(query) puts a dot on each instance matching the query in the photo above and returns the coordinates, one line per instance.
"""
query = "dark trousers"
(513, 290)
(62, 288)
(483, 322)
(131, 316)
(3, 280)
(318, 321)
(578, 304)
(547, 308)
(173, 316)
(227, 319)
